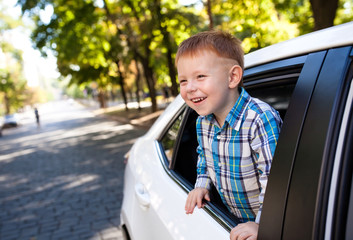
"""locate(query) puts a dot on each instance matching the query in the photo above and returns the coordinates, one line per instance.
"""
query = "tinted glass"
(169, 139)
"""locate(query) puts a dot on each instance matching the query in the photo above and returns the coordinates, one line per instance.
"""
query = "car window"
(179, 141)
(169, 139)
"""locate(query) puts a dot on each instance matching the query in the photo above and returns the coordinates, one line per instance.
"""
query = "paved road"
(64, 179)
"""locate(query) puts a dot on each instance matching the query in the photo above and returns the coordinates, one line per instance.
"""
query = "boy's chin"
(198, 111)
(201, 113)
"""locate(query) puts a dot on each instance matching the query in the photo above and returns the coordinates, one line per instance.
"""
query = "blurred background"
(105, 51)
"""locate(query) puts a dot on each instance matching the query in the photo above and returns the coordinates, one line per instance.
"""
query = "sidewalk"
(143, 118)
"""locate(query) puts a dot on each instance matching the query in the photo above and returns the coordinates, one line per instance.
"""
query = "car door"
(300, 184)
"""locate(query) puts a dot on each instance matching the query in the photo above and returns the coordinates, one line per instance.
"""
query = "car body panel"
(301, 211)
(165, 217)
(340, 153)
(313, 162)
(287, 146)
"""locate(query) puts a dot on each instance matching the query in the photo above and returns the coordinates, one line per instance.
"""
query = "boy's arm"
(203, 179)
(202, 186)
(264, 143)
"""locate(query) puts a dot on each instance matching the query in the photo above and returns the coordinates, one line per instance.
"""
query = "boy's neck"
(221, 117)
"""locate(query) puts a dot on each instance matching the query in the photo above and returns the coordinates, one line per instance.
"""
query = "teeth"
(195, 100)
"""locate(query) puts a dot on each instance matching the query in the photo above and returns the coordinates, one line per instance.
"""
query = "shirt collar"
(236, 114)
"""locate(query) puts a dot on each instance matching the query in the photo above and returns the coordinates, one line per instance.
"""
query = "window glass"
(169, 139)
(185, 159)
(276, 96)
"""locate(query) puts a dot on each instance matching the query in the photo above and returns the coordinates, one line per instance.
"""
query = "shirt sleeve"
(266, 132)
(203, 180)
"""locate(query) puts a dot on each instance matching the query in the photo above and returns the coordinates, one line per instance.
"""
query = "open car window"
(179, 141)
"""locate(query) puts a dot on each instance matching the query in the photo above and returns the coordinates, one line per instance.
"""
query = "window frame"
(250, 80)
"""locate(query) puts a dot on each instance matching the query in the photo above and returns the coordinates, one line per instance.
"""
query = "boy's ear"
(235, 76)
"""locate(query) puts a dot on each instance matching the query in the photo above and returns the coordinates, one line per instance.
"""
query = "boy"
(237, 134)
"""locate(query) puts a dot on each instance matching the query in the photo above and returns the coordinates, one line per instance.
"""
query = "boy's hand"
(196, 197)
(245, 231)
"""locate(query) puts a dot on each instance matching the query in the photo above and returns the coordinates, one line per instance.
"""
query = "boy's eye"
(182, 81)
(201, 76)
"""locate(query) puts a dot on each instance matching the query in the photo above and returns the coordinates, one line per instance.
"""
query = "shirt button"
(222, 191)
(219, 137)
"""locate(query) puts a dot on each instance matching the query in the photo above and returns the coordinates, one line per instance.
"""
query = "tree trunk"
(150, 83)
(144, 59)
(172, 73)
(137, 82)
(121, 83)
(101, 99)
(324, 13)
(209, 12)
(7, 104)
(168, 44)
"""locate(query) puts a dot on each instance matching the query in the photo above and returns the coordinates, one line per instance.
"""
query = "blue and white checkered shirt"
(237, 157)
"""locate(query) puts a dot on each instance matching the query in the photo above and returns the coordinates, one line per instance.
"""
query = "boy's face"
(207, 83)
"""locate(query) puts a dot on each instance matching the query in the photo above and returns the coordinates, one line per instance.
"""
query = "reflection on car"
(309, 195)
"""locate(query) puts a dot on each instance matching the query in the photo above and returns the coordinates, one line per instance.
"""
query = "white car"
(309, 194)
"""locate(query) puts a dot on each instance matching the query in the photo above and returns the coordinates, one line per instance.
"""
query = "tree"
(255, 22)
(168, 44)
(105, 41)
(312, 15)
(209, 13)
(79, 37)
(12, 83)
(324, 12)
(98, 43)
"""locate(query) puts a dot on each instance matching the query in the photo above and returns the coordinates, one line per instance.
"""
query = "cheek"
(183, 93)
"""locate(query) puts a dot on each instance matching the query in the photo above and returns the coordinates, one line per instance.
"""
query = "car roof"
(336, 36)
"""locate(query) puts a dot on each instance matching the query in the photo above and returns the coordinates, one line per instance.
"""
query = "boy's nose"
(191, 87)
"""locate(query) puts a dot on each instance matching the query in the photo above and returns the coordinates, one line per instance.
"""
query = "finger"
(252, 238)
(188, 203)
(233, 234)
(199, 201)
(191, 203)
(237, 233)
(243, 236)
(207, 197)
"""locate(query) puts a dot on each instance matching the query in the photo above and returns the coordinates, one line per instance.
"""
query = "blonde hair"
(222, 43)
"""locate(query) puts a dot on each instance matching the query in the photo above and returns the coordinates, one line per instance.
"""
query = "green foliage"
(12, 83)
(345, 12)
(99, 41)
(298, 12)
(12, 89)
(261, 27)
(74, 91)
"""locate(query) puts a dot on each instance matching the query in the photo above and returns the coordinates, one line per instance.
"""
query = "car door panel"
(316, 146)
(158, 203)
(340, 200)
(276, 191)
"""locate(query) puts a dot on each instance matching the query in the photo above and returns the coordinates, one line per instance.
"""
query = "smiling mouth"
(197, 100)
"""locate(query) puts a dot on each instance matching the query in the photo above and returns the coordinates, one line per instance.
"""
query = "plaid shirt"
(237, 157)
